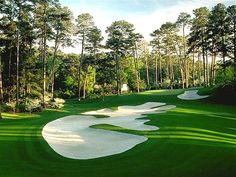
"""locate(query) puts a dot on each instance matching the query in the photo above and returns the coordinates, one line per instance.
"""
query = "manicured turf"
(197, 139)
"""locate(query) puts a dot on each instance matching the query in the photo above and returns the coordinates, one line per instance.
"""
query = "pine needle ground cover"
(197, 138)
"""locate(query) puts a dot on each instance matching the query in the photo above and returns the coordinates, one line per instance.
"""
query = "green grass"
(206, 90)
(197, 139)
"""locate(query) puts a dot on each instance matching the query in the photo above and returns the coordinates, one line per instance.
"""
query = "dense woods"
(198, 50)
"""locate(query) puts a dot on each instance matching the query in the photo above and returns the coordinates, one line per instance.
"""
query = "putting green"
(195, 139)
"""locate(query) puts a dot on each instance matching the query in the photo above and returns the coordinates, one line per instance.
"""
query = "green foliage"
(84, 23)
(142, 85)
(70, 81)
(225, 76)
(184, 19)
(166, 84)
(105, 71)
(132, 82)
(94, 96)
(120, 34)
(66, 79)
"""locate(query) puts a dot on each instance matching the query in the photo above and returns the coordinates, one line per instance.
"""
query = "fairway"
(196, 139)
(117, 88)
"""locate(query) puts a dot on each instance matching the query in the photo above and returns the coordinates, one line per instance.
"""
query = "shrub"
(225, 76)
(47, 99)
(98, 90)
(20, 107)
(166, 84)
(11, 106)
(109, 89)
(33, 105)
(93, 96)
(225, 94)
(56, 103)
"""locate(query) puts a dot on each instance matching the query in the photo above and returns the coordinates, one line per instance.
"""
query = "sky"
(146, 15)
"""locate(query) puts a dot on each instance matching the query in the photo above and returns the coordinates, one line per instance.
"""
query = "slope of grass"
(206, 90)
(197, 139)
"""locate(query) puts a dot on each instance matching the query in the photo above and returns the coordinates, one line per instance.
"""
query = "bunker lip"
(73, 137)
(191, 95)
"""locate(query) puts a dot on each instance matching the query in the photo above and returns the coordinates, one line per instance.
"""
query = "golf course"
(197, 138)
(116, 88)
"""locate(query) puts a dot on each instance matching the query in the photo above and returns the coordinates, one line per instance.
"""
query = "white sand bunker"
(72, 136)
(191, 95)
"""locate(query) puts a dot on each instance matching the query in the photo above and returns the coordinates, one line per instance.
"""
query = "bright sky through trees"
(146, 15)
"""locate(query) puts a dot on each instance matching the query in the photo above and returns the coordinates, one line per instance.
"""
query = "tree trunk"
(53, 81)
(17, 67)
(44, 67)
(160, 69)
(94, 69)
(185, 60)
(199, 69)
(117, 75)
(213, 68)
(1, 90)
(212, 64)
(79, 78)
(171, 73)
(9, 63)
(24, 83)
(84, 90)
(187, 73)
(207, 69)
(53, 64)
(18, 56)
(120, 81)
(204, 63)
(234, 51)
(137, 76)
(44, 59)
(181, 72)
(156, 72)
(182, 77)
(80, 65)
(147, 73)
(9, 76)
(193, 69)
(84, 85)
(167, 66)
(223, 51)
(44, 72)
(136, 67)
(213, 60)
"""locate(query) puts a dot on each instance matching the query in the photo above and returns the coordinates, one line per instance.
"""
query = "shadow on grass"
(184, 134)
(221, 115)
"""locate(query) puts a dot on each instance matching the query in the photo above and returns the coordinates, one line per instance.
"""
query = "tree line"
(196, 50)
